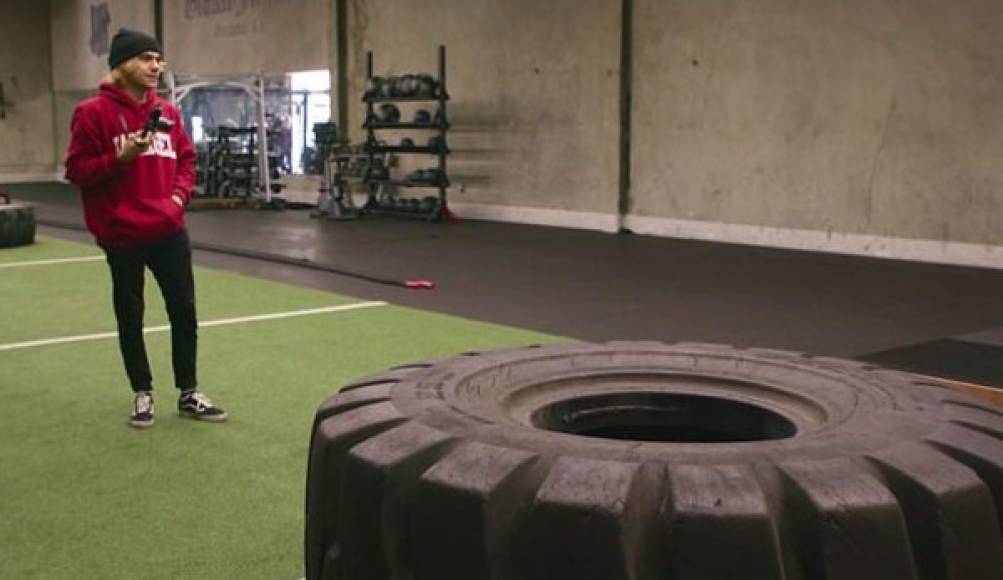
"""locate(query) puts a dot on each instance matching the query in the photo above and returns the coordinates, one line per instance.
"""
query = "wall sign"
(100, 20)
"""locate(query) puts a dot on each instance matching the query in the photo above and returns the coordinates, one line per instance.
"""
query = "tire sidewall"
(841, 408)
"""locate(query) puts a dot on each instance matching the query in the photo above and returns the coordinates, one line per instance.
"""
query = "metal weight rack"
(382, 96)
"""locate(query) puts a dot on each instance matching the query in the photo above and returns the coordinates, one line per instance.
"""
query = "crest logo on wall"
(100, 21)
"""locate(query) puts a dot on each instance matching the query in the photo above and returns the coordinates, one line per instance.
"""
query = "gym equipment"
(388, 87)
(373, 86)
(325, 134)
(427, 204)
(378, 168)
(334, 200)
(257, 183)
(385, 115)
(693, 461)
(429, 176)
(17, 223)
(388, 113)
(422, 117)
(426, 86)
(229, 166)
(407, 86)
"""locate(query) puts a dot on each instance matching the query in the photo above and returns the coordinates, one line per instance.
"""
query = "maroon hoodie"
(129, 204)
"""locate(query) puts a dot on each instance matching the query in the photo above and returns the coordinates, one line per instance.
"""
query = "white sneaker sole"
(206, 418)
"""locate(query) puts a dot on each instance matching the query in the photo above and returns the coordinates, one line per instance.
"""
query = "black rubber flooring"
(595, 286)
(970, 362)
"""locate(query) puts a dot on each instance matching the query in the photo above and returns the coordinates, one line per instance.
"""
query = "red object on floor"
(420, 284)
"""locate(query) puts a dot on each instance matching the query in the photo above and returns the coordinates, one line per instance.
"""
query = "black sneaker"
(195, 405)
(142, 410)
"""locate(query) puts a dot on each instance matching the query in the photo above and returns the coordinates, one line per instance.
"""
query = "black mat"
(595, 286)
(959, 360)
(991, 336)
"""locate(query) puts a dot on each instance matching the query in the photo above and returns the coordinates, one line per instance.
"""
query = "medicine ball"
(388, 87)
(422, 117)
(426, 84)
(373, 86)
(389, 113)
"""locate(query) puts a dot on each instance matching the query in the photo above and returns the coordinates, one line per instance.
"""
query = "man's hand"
(176, 198)
(135, 144)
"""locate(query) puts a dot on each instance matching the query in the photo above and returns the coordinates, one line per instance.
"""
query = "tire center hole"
(665, 417)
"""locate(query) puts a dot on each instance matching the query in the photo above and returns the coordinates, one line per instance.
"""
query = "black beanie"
(129, 43)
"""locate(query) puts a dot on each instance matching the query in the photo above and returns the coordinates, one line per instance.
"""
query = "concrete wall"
(860, 127)
(26, 141)
(535, 98)
(220, 37)
(830, 125)
(81, 34)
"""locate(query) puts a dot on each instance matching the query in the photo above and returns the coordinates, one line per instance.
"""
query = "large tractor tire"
(17, 225)
(645, 461)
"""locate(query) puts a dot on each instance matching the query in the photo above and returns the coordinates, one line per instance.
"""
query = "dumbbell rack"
(373, 147)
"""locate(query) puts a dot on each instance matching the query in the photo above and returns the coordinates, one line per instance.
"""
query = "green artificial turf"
(85, 496)
(75, 298)
(46, 248)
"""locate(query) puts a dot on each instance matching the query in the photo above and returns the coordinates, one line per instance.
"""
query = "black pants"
(170, 260)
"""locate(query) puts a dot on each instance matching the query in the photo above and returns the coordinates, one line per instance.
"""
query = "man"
(135, 181)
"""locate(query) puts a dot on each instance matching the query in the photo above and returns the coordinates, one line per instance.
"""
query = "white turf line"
(52, 261)
(221, 322)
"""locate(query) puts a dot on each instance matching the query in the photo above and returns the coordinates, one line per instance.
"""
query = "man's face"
(143, 70)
